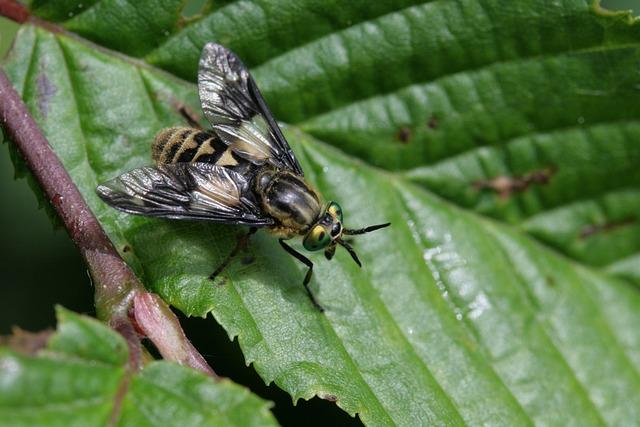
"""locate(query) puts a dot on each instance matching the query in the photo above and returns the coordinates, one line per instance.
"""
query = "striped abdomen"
(186, 145)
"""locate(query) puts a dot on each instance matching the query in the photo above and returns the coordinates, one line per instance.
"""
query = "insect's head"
(326, 230)
(327, 233)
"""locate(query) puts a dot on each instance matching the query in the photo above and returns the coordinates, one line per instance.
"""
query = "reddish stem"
(116, 285)
(156, 320)
(15, 11)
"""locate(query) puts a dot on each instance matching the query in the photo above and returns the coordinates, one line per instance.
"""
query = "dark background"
(40, 267)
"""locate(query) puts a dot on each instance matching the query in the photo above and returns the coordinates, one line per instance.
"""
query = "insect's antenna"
(365, 230)
(350, 250)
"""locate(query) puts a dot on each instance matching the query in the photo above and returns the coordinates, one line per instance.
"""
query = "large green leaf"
(80, 379)
(499, 138)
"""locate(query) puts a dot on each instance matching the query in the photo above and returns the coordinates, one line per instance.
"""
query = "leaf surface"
(80, 379)
(499, 138)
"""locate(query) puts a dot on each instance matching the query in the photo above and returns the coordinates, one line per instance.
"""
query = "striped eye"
(335, 210)
(317, 238)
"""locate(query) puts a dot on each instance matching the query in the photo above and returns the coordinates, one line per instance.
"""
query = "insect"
(242, 171)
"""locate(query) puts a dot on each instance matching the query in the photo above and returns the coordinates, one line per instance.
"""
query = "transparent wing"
(237, 112)
(198, 191)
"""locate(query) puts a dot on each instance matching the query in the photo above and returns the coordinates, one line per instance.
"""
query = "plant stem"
(15, 11)
(116, 286)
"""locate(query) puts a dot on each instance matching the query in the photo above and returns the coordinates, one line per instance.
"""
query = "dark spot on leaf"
(247, 260)
(329, 397)
(505, 186)
(45, 90)
(126, 248)
(592, 229)
(433, 122)
(551, 282)
(404, 135)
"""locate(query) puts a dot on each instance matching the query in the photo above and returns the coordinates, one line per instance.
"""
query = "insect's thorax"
(287, 198)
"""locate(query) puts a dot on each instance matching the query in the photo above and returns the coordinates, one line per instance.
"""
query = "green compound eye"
(317, 238)
(335, 211)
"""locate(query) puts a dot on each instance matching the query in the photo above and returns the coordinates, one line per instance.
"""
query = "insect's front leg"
(240, 244)
(307, 278)
(189, 116)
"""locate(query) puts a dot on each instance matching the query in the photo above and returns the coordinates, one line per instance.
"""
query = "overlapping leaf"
(456, 93)
(521, 111)
(80, 379)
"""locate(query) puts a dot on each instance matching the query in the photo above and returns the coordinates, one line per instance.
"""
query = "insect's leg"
(189, 116)
(241, 243)
(330, 251)
(350, 250)
(307, 278)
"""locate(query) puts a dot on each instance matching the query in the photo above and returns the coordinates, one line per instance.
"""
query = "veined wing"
(238, 113)
(198, 191)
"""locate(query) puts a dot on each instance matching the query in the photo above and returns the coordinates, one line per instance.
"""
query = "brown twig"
(116, 285)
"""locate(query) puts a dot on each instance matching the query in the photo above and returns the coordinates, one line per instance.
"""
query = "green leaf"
(499, 138)
(80, 379)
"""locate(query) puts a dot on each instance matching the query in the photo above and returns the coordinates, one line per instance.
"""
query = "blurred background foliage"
(40, 267)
